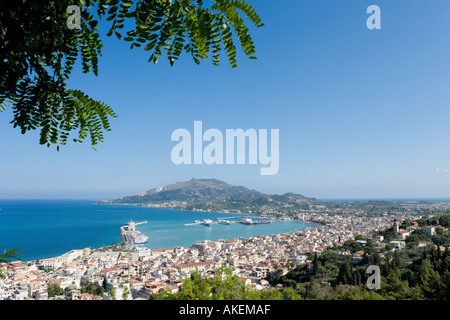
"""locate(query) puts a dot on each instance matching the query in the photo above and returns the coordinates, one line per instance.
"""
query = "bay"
(42, 229)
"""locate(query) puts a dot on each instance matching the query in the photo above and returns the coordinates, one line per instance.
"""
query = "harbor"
(131, 237)
(209, 221)
(78, 224)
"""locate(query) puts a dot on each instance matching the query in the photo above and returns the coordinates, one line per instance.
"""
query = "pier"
(212, 222)
(259, 220)
(193, 224)
(126, 230)
(138, 223)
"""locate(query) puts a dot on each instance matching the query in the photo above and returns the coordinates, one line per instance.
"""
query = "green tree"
(99, 291)
(400, 289)
(373, 258)
(432, 286)
(315, 263)
(90, 288)
(444, 220)
(345, 275)
(67, 290)
(290, 294)
(194, 288)
(446, 284)
(267, 295)
(422, 222)
(430, 281)
(38, 51)
(223, 286)
(396, 261)
(112, 292)
(410, 277)
(54, 290)
(104, 284)
(126, 293)
(6, 257)
(441, 239)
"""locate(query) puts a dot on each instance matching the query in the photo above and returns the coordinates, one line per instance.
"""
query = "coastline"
(86, 224)
(133, 249)
(252, 254)
(167, 207)
(259, 215)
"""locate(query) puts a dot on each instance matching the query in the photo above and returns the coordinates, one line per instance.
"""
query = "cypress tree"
(345, 275)
(387, 268)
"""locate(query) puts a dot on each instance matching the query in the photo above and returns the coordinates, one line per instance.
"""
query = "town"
(124, 272)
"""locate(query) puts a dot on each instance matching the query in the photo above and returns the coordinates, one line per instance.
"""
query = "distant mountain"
(216, 195)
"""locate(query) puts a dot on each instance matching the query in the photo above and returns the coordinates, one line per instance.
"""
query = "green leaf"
(150, 46)
(111, 17)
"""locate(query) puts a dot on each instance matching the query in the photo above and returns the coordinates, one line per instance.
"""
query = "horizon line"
(320, 199)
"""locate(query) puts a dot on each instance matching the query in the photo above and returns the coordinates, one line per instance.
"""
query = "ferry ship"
(246, 221)
(207, 222)
(139, 238)
(224, 221)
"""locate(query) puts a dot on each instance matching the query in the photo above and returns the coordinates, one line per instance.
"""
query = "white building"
(397, 244)
(51, 263)
(20, 294)
(430, 230)
(58, 262)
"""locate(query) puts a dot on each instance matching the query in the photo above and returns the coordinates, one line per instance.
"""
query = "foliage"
(422, 222)
(441, 239)
(223, 286)
(92, 289)
(126, 293)
(388, 234)
(38, 52)
(426, 278)
(54, 290)
(112, 293)
(6, 257)
(444, 221)
(416, 236)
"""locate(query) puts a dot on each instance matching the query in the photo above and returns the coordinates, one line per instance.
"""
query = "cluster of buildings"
(138, 273)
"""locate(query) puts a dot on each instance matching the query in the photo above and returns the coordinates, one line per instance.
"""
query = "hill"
(216, 195)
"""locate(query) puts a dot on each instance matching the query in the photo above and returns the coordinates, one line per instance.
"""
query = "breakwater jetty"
(130, 236)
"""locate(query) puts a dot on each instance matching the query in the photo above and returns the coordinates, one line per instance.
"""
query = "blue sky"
(362, 113)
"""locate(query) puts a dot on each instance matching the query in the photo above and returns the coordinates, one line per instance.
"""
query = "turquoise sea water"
(47, 228)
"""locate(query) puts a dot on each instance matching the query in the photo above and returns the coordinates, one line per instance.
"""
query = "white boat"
(207, 222)
(223, 221)
(246, 221)
(139, 238)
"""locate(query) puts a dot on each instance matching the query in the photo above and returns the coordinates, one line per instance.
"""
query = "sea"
(41, 229)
